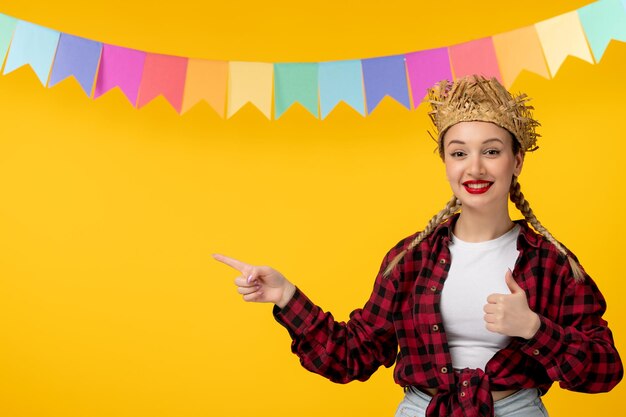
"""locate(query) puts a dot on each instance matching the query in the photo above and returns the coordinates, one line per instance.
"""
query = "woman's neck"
(475, 227)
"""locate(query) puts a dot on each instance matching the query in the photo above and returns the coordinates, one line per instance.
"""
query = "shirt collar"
(527, 236)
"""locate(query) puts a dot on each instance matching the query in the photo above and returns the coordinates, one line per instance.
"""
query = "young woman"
(480, 314)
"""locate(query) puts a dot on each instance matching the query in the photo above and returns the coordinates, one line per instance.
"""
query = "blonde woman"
(479, 313)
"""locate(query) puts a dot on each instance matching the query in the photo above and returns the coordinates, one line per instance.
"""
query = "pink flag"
(426, 68)
(475, 57)
(120, 67)
(163, 74)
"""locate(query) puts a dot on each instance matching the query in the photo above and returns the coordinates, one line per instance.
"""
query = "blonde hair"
(523, 206)
(517, 197)
(452, 207)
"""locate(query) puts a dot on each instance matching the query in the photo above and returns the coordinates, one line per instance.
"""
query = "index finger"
(232, 262)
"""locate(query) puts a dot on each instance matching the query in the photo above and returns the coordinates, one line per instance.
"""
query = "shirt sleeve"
(576, 348)
(343, 351)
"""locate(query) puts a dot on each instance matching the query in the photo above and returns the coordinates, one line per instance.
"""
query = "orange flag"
(519, 50)
(206, 80)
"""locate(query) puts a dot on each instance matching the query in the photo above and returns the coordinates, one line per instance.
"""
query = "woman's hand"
(509, 314)
(260, 284)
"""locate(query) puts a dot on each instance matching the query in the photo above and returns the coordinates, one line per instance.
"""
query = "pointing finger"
(232, 262)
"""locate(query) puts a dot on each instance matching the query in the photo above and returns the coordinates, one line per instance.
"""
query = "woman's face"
(480, 164)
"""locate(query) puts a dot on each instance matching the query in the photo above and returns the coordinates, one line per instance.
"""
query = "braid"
(451, 207)
(522, 205)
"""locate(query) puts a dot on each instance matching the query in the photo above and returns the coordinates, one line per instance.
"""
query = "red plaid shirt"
(402, 323)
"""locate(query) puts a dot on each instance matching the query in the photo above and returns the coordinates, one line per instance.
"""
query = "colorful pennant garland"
(362, 84)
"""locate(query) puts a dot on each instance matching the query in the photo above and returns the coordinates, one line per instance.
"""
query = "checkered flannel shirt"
(402, 323)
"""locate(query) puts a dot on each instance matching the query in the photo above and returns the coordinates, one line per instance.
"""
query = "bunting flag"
(519, 50)
(475, 57)
(163, 75)
(341, 81)
(295, 83)
(76, 57)
(7, 27)
(208, 81)
(34, 45)
(603, 21)
(250, 82)
(385, 76)
(120, 67)
(425, 68)
(562, 36)
(226, 86)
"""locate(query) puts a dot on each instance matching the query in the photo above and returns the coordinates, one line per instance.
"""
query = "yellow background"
(110, 305)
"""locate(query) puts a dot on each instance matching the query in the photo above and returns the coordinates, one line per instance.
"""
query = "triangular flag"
(561, 36)
(163, 75)
(602, 21)
(120, 67)
(206, 80)
(295, 82)
(519, 50)
(250, 82)
(78, 57)
(385, 76)
(341, 81)
(425, 68)
(475, 57)
(7, 27)
(34, 45)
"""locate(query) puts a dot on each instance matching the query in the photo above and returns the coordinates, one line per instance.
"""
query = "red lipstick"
(477, 187)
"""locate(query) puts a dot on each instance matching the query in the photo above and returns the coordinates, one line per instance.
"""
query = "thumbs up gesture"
(509, 314)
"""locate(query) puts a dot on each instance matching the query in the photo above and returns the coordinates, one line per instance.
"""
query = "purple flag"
(78, 57)
(425, 68)
(120, 67)
(385, 76)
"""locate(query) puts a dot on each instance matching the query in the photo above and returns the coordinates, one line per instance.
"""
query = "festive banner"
(519, 50)
(603, 21)
(475, 57)
(250, 82)
(7, 27)
(361, 83)
(341, 81)
(78, 57)
(295, 83)
(562, 36)
(208, 81)
(34, 45)
(385, 76)
(425, 68)
(163, 75)
(120, 67)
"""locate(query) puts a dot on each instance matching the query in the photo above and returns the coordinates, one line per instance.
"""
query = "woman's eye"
(457, 154)
(492, 152)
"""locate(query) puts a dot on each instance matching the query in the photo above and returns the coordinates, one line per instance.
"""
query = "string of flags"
(362, 83)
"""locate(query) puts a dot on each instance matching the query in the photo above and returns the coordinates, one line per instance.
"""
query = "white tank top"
(476, 271)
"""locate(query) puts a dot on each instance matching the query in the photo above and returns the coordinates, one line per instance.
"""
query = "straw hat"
(476, 98)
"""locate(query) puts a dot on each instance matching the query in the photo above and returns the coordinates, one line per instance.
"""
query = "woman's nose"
(476, 166)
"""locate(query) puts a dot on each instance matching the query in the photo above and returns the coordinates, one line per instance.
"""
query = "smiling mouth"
(477, 187)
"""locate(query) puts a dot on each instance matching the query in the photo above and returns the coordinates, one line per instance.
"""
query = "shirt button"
(435, 328)
(465, 383)
(442, 261)
(433, 288)
(463, 394)
(536, 352)
(444, 370)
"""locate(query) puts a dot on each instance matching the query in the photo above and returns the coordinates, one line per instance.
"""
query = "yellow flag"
(250, 82)
(562, 36)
